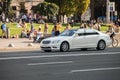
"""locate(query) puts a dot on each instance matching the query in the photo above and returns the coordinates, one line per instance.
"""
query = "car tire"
(101, 45)
(83, 49)
(64, 47)
(47, 50)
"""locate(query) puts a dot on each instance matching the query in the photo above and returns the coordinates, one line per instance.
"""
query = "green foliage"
(22, 6)
(68, 7)
(52, 9)
(54, 1)
(47, 9)
(11, 13)
(81, 6)
(41, 8)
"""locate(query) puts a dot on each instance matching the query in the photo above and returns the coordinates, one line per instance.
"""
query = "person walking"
(31, 33)
(3, 27)
(31, 27)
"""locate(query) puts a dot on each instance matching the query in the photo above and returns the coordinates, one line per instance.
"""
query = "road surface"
(73, 65)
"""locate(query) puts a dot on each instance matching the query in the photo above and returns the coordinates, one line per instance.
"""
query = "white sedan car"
(76, 38)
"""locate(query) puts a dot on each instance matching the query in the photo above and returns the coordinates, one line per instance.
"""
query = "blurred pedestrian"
(53, 31)
(97, 26)
(110, 29)
(31, 27)
(46, 28)
(19, 25)
(57, 29)
(3, 27)
(23, 34)
(67, 27)
(39, 34)
(24, 26)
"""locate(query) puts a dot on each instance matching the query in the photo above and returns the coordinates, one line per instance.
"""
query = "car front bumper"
(50, 47)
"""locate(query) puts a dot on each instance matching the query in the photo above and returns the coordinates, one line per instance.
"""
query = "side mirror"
(76, 35)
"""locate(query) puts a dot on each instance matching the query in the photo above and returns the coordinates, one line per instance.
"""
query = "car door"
(78, 39)
(91, 37)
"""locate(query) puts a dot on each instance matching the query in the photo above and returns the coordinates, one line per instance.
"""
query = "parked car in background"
(76, 38)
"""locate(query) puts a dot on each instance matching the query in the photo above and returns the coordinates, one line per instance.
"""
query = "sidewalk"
(20, 44)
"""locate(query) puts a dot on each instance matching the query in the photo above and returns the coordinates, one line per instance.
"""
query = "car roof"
(84, 29)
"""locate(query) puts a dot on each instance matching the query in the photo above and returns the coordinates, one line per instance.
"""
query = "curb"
(19, 49)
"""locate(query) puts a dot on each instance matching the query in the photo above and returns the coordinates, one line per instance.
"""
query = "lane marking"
(96, 69)
(65, 55)
(48, 63)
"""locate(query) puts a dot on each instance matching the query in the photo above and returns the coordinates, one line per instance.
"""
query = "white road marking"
(65, 55)
(97, 69)
(48, 63)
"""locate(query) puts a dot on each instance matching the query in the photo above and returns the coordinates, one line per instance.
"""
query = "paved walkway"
(20, 44)
(23, 44)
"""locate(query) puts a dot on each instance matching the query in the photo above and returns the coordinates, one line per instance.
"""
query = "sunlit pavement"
(24, 44)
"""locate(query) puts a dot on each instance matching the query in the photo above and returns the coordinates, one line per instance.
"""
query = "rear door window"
(90, 32)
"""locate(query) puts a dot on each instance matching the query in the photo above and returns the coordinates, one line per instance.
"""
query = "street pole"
(31, 7)
(107, 12)
(31, 3)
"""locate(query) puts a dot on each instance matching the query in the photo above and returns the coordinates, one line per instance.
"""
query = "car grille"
(46, 42)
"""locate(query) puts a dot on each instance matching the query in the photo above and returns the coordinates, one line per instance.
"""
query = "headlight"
(55, 41)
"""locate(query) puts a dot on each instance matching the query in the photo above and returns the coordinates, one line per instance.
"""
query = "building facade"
(19, 5)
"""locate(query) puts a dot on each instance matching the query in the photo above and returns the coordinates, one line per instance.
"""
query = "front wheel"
(64, 47)
(114, 42)
(101, 45)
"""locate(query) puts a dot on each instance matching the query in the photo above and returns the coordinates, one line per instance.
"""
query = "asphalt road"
(73, 65)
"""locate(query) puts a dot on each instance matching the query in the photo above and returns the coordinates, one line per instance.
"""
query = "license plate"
(44, 46)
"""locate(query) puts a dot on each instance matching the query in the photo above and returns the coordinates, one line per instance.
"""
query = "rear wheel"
(101, 45)
(83, 49)
(64, 47)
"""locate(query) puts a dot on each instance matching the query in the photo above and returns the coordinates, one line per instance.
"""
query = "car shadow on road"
(90, 50)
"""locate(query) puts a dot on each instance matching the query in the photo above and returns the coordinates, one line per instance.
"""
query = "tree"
(11, 13)
(81, 6)
(40, 8)
(5, 5)
(68, 7)
(52, 9)
(46, 9)
(22, 6)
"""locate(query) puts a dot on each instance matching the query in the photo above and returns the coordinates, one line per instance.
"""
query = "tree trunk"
(92, 9)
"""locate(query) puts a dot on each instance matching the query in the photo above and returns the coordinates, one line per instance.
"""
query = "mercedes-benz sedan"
(76, 38)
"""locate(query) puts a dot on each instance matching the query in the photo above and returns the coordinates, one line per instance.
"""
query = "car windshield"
(68, 32)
